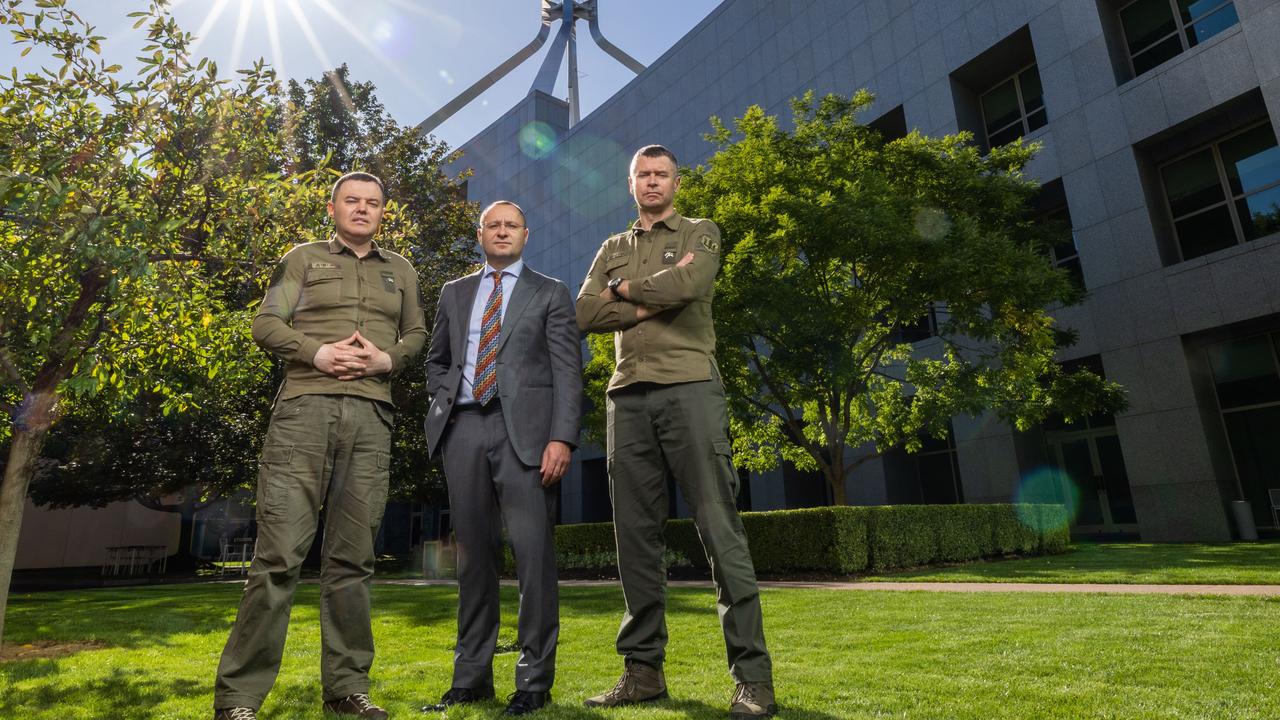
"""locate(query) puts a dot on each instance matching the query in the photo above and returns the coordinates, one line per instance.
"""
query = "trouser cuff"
(343, 691)
(225, 702)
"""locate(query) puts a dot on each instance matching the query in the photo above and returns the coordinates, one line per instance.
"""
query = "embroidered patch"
(277, 275)
(388, 281)
(710, 244)
(321, 265)
(669, 256)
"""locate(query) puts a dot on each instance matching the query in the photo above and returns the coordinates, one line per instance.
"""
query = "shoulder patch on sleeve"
(278, 274)
(709, 244)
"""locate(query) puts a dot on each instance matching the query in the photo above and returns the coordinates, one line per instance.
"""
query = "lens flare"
(1049, 485)
(589, 164)
(932, 223)
(537, 139)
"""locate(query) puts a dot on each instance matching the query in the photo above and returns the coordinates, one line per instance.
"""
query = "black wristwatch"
(613, 287)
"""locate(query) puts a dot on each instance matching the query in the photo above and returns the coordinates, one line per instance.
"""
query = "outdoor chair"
(1275, 505)
(237, 552)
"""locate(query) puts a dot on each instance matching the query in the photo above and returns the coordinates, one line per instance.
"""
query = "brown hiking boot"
(357, 705)
(639, 683)
(235, 713)
(752, 700)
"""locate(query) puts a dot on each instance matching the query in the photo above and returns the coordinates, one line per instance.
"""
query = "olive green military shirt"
(678, 343)
(322, 293)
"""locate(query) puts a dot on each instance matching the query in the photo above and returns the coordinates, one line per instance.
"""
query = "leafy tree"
(835, 243)
(133, 215)
(104, 452)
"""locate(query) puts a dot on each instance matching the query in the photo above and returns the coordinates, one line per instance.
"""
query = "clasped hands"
(624, 289)
(352, 358)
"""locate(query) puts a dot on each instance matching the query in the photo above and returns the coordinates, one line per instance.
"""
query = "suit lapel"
(464, 299)
(526, 287)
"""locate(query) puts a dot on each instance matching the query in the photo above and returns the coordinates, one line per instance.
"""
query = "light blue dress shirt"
(509, 276)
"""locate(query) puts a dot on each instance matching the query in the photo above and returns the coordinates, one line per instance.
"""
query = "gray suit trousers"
(488, 485)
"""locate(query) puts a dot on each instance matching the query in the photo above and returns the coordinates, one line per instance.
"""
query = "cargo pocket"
(378, 490)
(272, 467)
(724, 468)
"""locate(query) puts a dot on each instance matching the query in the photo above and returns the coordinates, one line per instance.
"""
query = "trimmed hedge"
(845, 540)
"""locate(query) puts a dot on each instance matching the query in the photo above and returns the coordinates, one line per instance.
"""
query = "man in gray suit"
(505, 375)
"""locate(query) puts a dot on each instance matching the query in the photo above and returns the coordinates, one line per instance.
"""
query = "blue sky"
(419, 53)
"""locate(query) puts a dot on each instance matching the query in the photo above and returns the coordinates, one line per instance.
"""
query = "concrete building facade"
(1158, 120)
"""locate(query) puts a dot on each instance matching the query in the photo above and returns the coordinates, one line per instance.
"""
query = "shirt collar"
(513, 269)
(671, 222)
(336, 247)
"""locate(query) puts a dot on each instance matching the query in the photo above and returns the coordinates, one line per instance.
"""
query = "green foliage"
(595, 381)
(843, 540)
(132, 215)
(139, 222)
(836, 243)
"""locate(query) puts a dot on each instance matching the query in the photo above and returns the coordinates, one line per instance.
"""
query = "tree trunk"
(836, 481)
(23, 450)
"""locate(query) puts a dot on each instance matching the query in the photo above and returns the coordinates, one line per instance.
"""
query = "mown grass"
(837, 654)
(1256, 563)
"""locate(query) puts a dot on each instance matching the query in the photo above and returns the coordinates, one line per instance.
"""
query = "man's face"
(654, 183)
(357, 211)
(502, 235)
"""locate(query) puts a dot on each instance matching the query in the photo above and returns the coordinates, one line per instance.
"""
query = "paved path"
(958, 587)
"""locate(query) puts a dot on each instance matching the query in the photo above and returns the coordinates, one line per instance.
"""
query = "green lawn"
(1256, 563)
(837, 654)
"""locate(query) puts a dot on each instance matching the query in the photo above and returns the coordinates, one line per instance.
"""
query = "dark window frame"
(1023, 112)
(1229, 197)
(1061, 213)
(1180, 30)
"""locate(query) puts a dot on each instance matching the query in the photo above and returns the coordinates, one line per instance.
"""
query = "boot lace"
(747, 694)
(362, 702)
(622, 688)
(242, 713)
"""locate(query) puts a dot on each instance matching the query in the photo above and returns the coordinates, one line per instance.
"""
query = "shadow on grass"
(132, 617)
(125, 693)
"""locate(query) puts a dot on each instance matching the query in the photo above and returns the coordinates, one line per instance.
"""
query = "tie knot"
(497, 276)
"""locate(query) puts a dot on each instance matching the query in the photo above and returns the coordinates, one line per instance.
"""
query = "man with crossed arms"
(652, 286)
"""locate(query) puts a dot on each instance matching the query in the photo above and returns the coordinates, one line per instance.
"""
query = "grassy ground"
(1255, 563)
(837, 655)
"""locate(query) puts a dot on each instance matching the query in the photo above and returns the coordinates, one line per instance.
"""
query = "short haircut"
(362, 177)
(653, 151)
(495, 204)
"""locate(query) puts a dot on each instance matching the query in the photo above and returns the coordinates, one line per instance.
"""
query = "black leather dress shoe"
(459, 696)
(526, 701)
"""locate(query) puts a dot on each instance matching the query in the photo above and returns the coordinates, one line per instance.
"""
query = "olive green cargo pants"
(680, 430)
(329, 450)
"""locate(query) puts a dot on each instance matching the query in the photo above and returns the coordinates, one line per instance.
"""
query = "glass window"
(1156, 30)
(1014, 107)
(1064, 252)
(1251, 159)
(1260, 213)
(1247, 381)
(1244, 372)
(1205, 232)
(1147, 23)
(1000, 106)
(1243, 168)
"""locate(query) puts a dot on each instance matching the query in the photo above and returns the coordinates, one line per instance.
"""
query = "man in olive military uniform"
(343, 315)
(652, 286)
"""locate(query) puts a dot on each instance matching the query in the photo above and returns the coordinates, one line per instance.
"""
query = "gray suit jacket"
(539, 362)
